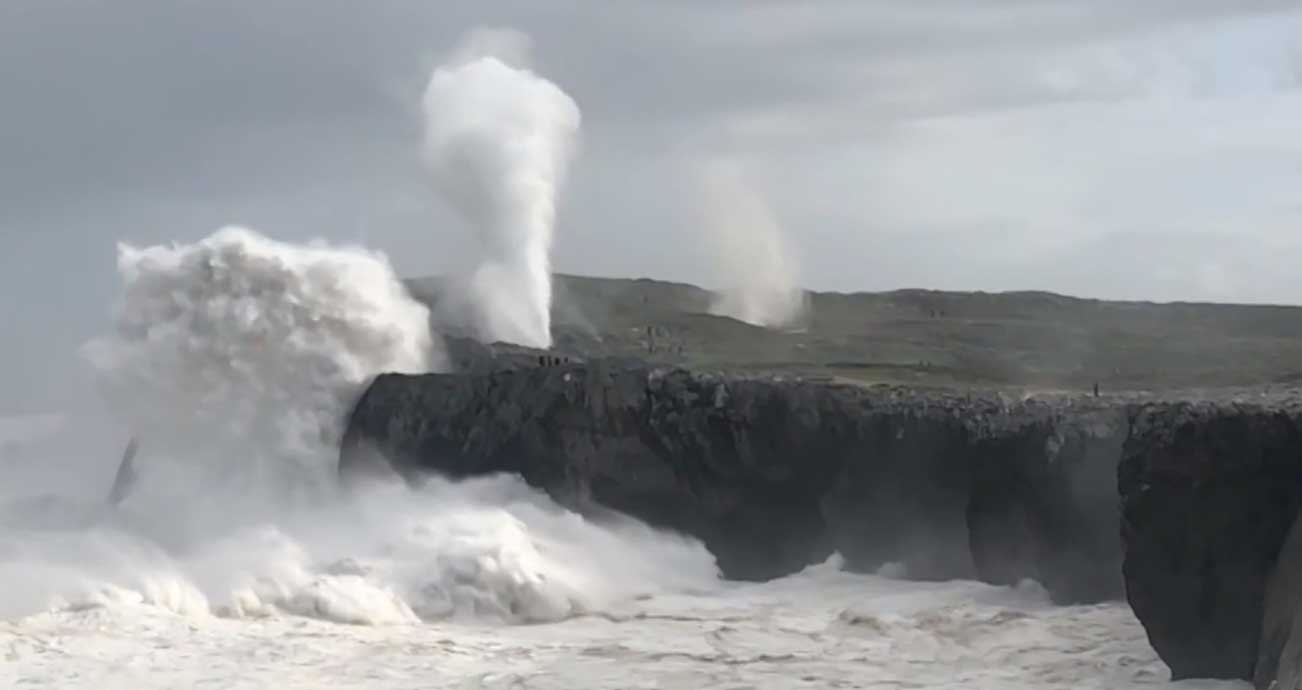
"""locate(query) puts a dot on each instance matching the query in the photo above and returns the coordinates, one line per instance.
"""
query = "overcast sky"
(1109, 148)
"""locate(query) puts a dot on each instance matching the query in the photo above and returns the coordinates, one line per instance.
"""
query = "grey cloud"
(143, 86)
(152, 120)
(113, 78)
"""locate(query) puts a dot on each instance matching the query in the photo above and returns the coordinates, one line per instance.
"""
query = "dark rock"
(776, 474)
(1045, 505)
(1208, 492)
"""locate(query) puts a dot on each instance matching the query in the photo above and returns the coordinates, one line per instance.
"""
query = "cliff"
(1195, 491)
(1183, 507)
(1209, 493)
(776, 474)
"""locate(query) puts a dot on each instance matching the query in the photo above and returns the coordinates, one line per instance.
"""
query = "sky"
(1102, 148)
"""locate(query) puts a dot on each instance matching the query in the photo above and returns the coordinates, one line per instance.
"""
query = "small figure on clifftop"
(1096, 389)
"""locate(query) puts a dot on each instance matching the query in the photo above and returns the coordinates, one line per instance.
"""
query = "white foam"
(821, 628)
(490, 549)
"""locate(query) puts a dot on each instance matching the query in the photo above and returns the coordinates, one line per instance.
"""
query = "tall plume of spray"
(498, 141)
(757, 268)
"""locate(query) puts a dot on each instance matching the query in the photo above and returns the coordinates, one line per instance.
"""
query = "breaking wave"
(235, 360)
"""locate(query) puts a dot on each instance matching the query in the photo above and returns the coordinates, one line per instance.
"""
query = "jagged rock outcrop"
(776, 474)
(1209, 491)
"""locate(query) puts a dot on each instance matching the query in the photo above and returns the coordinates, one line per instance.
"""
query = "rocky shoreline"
(1195, 493)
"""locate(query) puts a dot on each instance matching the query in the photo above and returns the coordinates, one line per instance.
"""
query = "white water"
(242, 349)
(411, 590)
(235, 360)
(490, 550)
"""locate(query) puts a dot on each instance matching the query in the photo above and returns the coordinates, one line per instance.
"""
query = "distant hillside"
(931, 337)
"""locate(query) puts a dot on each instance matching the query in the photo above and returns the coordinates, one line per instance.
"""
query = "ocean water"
(487, 584)
(820, 629)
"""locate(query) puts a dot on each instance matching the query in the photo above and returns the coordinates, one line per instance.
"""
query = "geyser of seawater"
(498, 141)
(236, 360)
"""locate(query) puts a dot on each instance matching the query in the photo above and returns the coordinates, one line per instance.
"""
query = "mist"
(755, 263)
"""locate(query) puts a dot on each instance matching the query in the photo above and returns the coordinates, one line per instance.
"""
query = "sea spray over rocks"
(235, 360)
(498, 141)
(240, 344)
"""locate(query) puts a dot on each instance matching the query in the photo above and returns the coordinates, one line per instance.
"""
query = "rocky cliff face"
(774, 475)
(1198, 497)
(1209, 492)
